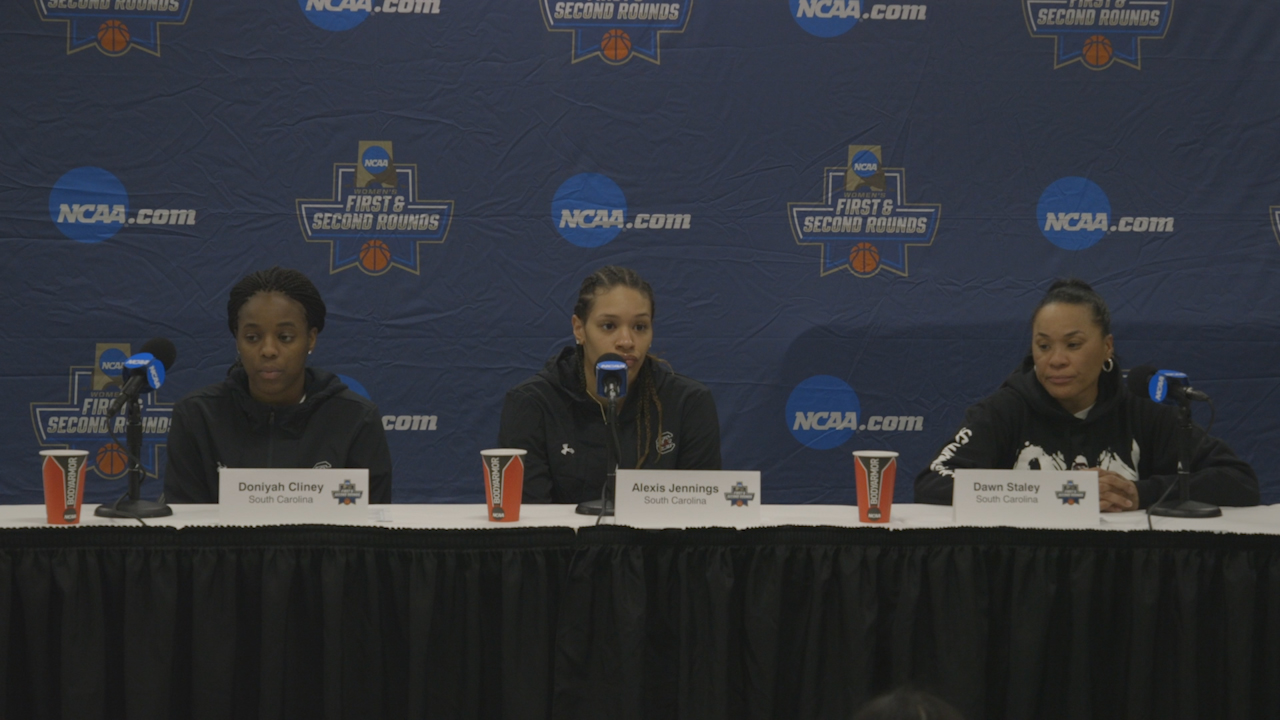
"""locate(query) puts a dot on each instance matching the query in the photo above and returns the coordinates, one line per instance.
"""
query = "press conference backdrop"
(848, 210)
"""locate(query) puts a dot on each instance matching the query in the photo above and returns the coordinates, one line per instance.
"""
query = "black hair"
(290, 283)
(1073, 291)
(606, 279)
(602, 281)
(908, 704)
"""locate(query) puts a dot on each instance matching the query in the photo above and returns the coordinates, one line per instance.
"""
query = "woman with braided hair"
(272, 411)
(666, 421)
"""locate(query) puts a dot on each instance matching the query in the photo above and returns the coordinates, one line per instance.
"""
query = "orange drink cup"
(874, 471)
(503, 482)
(63, 484)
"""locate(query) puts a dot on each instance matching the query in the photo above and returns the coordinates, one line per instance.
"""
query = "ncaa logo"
(826, 18)
(829, 18)
(339, 15)
(376, 160)
(111, 363)
(865, 164)
(88, 204)
(336, 15)
(1073, 213)
(589, 210)
(822, 412)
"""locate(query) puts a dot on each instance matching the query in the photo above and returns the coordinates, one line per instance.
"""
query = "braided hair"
(1073, 291)
(290, 283)
(602, 281)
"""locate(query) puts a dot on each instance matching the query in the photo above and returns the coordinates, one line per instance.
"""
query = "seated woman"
(273, 411)
(1065, 408)
(666, 421)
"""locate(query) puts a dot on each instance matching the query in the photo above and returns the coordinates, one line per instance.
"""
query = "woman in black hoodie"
(666, 421)
(273, 411)
(1065, 408)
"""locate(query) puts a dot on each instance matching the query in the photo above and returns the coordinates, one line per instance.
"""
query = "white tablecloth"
(1254, 520)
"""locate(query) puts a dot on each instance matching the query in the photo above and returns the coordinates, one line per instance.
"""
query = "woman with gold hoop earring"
(1067, 408)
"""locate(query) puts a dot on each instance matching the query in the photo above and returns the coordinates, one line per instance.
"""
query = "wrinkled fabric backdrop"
(847, 211)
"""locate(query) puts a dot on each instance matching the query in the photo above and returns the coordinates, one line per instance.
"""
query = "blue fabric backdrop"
(843, 207)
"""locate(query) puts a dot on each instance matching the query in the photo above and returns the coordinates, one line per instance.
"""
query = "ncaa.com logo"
(339, 15)
(89, 204)
(823, 412)
(1074, 213)
(392, 423)
(830, 18)
(589, 210)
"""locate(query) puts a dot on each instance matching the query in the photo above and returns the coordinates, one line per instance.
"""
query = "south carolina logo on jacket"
(666, 443)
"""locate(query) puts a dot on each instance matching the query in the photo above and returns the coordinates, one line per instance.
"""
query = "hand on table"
(1116, 493)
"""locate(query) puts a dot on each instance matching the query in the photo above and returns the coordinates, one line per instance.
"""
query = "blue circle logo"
(375, 160)
(1074, 213)
(335, 15)
(823, 412)
(865, 164)
(825, 18)
(589, 210)
(112, 362)
(354, 386)
(88, 204)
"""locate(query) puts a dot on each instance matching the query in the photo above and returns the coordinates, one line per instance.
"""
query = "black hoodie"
(552, 417)
(223, 426)
(1023, 427)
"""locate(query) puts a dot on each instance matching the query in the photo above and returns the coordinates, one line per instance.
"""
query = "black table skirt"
(332, 622)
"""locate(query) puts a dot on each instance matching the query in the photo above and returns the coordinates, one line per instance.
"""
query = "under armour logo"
(565, 449)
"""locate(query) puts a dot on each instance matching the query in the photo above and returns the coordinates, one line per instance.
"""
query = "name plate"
(687, 498)
(291, 495)
(1026, 498)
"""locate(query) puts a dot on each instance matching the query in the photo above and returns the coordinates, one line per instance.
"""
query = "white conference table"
(1263, 519)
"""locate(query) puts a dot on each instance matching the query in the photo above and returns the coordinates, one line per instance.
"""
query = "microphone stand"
(1184, 506)
(130, 505)
(604, 506)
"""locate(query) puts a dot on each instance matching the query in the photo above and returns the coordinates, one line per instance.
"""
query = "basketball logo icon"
(113, 37)
(1097, 51)
(111, 460)
(375, 256)
(616, 46)
(864, 258)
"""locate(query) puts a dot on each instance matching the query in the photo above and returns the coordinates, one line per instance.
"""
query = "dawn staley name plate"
(1027, 498)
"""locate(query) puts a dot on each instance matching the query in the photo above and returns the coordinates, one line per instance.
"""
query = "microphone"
(611, 383)
(611, 376)
(1161, 384)
(144, 372)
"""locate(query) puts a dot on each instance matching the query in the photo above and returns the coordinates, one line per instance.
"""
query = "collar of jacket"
(320, 386)
(1111, 393)
(562, 372)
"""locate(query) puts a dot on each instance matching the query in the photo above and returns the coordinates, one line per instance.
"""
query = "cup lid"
(875, 453)
(64, 452)
(503, 452)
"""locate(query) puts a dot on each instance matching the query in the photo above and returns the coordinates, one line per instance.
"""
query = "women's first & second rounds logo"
(114, 26)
